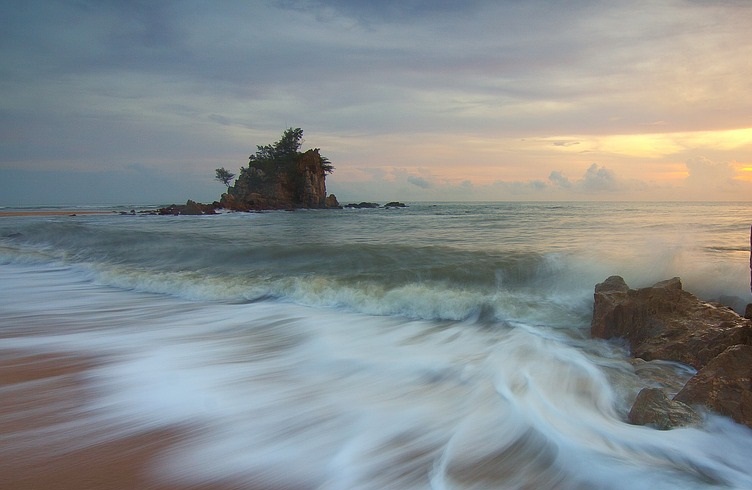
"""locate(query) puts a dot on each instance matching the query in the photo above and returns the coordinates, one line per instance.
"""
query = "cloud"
(597, 179)
(434, 87)
(368, 12)
(703, 168)
(565, 143)
(559, 179)
(705, 173)
(398, 184)
(419, 181)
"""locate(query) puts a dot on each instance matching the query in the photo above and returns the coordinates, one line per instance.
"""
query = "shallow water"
(440, 346)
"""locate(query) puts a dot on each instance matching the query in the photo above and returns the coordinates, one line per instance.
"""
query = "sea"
(437, 346)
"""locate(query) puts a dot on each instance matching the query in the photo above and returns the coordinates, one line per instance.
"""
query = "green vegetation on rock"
(280, 176)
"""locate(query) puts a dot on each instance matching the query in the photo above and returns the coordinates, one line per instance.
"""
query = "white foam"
(283, 395)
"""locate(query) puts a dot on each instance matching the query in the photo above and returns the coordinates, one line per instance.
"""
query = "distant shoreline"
(50, 212)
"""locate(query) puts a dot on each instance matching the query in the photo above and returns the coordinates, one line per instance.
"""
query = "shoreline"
(51, 212)
(49, 443)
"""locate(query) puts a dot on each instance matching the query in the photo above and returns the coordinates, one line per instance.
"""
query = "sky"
(138, 102)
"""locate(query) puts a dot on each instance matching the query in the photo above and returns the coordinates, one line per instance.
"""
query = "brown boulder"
(189, 208)
(608, 295)
(332, 202)
(724, 385)
(666, 322)
(653, 407)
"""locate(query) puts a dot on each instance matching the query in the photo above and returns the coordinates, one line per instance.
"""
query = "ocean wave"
(428, 300)
(279, 395)
(465, 262)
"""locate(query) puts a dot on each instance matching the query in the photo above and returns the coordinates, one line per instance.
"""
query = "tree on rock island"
(279, 176)
(223, 175)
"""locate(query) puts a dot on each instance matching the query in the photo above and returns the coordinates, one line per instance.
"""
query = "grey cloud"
(506, 53)
(150, 23)
(538, 185)
(531, 188)
(566, 143)
(559, 179)
(71, 38)
(596, 179)
(94, 84)
(599, 179)
(368, 12)
(419, 182)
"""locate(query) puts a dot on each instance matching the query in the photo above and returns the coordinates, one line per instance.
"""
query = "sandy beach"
(43, 446)
(50, 212)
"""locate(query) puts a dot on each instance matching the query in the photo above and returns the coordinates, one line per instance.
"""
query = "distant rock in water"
(363, 205)
(665, 322)
(375, 205)
(296, 184)
(332, 202)
(192, 208)
(279, 176)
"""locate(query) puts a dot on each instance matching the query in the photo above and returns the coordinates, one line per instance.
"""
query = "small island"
(280, 176)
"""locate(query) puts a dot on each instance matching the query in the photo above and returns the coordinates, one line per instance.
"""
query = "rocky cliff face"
(297, 184)
(664, 322)
(312, 192)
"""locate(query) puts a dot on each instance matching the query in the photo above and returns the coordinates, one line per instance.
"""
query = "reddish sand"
(40, 391)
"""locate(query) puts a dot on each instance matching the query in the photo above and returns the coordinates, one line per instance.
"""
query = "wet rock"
(666, 322)
(609, 294)
(332, 202)
(363, 205)
(724, 385)
(669, 376)
(652, 407)
(189, 208)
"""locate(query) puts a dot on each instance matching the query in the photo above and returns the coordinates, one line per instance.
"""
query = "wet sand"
(40, 393)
